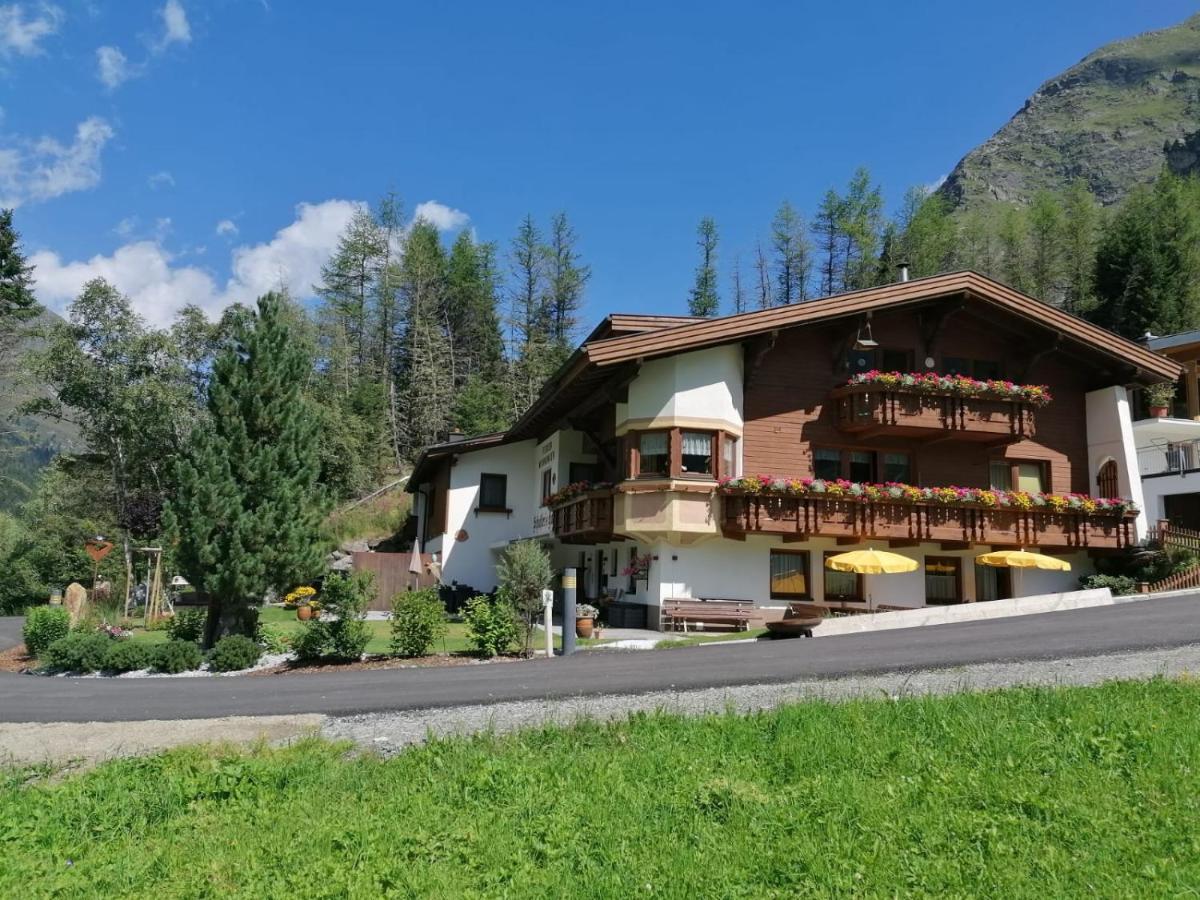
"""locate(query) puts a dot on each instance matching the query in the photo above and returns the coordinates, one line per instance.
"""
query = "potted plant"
(585, 620)
(1159, 397)
(308, 609)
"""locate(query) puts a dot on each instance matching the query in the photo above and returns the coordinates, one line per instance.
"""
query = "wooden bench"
(681, 610)
(798, 621)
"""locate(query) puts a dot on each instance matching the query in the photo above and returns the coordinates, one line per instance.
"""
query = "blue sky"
(204, 151)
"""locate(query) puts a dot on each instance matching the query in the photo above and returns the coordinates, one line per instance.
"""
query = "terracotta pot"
(1158, 412)
(304, 613)
(583, 627)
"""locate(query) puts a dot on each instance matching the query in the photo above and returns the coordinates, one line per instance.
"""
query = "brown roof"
(434, 453)
(710, 332)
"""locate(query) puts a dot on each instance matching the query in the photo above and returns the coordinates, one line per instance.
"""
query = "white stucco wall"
(1156, 488)
(473, 561)
(703, 386)
(1110, 436)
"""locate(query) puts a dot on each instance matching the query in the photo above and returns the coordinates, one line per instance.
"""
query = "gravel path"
(388, 733)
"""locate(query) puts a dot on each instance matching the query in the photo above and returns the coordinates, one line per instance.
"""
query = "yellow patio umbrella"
(1024, 559)
(871, 562)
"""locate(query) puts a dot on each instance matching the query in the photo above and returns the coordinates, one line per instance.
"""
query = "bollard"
(548, 611)
(568, 617)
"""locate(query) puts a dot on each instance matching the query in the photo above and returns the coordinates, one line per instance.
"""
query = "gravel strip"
(389, 733)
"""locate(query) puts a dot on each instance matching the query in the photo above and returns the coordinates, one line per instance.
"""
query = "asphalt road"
(1172, 622)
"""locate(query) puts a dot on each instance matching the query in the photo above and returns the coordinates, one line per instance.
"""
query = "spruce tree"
(792, 258)
(247, 512)
(862, 221)
(17, 304)
(566, 277)
(474, 323)
(703, 299)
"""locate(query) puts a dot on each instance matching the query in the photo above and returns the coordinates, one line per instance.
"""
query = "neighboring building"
(652, 416)
(1168, 447)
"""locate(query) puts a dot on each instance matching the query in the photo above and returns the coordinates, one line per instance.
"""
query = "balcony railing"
(1169, 458)
(586, 518)
(803, 517)
(870, 409)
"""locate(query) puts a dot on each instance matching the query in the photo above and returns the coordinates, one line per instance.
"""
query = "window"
(789, 574)
(493, 492)
(654, 457)
(578, 471)
(547, 484)
(896, 467)
(984, 369)
(1010, 475)
(891, 360)
(942, 579)
(842, 587)
(697, 452)
(975, 368)
(729, 456)
(992, 583)
(1000, 475)
(1106, 481)
(827, 464)
(862, 465)
(858, 361)
(956, 365)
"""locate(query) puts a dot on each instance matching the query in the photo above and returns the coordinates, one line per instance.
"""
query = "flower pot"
(304, 613)
(583, 627)
(1158, 412)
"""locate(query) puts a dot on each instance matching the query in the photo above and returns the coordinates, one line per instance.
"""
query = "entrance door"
(992, 583)
(1183, 510)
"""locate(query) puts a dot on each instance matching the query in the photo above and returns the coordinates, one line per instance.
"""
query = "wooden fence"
(1173, 536)
(391, 574)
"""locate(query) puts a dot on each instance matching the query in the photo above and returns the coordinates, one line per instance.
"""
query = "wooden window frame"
(635, 454)
(958, 578)
(490, 508)
(876, 452)
(808, 576)
(547, 485)
(1014, 472)
(714, 452)
(1111, 489)
(860, 582)
(674, 454)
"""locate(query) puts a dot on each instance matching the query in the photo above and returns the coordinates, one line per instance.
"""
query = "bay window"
(681, 453)
(696, 452)
(654, 457)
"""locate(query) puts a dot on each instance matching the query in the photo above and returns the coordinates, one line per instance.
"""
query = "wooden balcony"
(798, 518)
(585, 518)
(864, 409)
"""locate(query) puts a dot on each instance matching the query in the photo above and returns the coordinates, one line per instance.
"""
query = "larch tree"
(1080, 232)
(566, 276)
(928, 233)
(704, 299)
(349, 280)
(827, 238)
(1045, 218)
(529, 318)
(862, 222)
(737, 288)
(247, 510)
(1012, 237)
(792, 260)
(763, 292)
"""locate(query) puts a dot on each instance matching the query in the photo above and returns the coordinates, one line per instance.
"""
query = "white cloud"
(159, 286)
(162, 179)
(227, 228)
(176, 28)
(45, 168)
(113, 68)
(440, 216)
(23, 37)
(126, 226)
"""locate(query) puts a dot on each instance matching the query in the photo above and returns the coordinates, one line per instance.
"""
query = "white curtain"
(697, 443)
(653, 444)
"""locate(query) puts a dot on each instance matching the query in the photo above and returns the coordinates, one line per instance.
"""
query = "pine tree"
(704, 299)
(429, 367)
(827, 234)
(792, 258)
(1045, 218)
(1148, 261)
(247, 512)
(1081, 224)
(17, 303)
(762, 269)
(566, 277)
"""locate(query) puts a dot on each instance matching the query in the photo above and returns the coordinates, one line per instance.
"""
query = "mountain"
(27, 443)
(1113, 119)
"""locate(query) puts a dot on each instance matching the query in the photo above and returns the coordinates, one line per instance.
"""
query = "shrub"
(127, 656)
(233, 653)
(78, 652)
(1118, 584)
(187, 625)
(524, 572)
(43, 626)
(418, 621)
(273, 640)
(174, 657)
(492, 626)
(341, 634)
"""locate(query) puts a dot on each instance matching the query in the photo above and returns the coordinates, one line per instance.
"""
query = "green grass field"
(1077, 792)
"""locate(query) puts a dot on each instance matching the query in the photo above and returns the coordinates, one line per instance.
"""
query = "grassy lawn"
(1022, 793)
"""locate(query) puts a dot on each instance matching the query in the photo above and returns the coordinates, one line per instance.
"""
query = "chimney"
(455, 436)
(903, 267)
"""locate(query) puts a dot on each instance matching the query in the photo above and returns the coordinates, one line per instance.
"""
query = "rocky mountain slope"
(1109, 120)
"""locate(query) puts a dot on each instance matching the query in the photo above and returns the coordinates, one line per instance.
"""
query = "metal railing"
(1169, 458)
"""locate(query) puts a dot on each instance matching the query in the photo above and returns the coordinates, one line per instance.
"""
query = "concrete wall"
(1110, 436)
(703, 388)
(1155, 489)
(473, 560)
